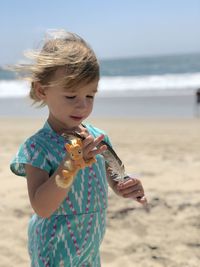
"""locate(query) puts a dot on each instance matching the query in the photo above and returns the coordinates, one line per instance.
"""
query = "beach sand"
(165, 153)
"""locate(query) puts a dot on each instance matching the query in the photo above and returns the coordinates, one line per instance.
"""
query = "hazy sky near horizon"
(114, 28)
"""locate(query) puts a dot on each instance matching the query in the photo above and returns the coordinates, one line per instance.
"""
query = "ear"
(79, 142)
(40, 90)
(68, 147)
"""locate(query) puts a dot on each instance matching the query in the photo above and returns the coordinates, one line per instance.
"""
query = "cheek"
(90, 106)
(56, 105)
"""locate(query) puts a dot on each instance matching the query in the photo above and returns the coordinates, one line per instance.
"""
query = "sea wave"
(13, 88)
(116, 85)
(153, 82)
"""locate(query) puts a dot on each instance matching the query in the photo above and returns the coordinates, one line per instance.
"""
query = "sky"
(114, 28)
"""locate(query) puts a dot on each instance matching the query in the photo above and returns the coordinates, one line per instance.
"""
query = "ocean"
(165, 75)
(153, 86)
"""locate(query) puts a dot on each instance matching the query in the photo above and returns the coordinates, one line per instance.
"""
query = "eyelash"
(73, 97)
(70, 97)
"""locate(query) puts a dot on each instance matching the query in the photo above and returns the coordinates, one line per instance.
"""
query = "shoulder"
(94, 130)
(37, 140)
(32, 151)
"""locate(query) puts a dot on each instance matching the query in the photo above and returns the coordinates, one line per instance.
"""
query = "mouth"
(76, 118)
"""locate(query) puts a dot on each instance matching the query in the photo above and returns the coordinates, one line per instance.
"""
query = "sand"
(165, 153)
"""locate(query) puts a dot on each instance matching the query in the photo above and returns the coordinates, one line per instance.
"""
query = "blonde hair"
(62, 49)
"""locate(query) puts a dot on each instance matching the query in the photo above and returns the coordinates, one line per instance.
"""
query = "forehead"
(61, 77)
(60, 73)
(87, 87)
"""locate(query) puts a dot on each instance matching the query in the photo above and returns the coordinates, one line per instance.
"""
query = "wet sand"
(146, 106)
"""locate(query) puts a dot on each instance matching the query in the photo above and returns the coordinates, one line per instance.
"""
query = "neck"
(60, 128)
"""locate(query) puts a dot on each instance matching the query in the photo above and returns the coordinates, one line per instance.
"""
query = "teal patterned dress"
(71, 237)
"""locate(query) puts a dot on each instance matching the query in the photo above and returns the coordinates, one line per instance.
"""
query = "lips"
(76, 118)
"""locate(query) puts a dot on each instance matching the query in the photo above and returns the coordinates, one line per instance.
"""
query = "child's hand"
(132, 188)
(90, 144)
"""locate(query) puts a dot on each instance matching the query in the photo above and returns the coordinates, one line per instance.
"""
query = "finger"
(142, 199)
(128, 183)
(128, 190)
(90, 143)
(135, 195)
(96, 141)
(88, 140)
(95, 152)
(144, 202)
(84, 134)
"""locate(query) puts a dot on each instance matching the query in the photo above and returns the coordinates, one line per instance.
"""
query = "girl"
(69, 223)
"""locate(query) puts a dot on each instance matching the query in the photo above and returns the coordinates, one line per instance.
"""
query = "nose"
(81, 103)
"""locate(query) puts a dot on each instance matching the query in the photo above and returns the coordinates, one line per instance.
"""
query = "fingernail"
(120, 186)
(143, 200)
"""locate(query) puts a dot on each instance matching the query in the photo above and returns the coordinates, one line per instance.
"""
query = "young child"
(69, 223)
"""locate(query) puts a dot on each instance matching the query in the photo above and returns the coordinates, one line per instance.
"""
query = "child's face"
(68, 108)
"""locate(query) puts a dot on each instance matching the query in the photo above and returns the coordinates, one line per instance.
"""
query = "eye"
(90, 96)
(70, 97)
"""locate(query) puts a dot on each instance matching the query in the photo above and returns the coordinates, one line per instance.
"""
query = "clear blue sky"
(114, 28)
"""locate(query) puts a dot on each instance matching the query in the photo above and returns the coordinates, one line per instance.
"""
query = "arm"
(45, 196)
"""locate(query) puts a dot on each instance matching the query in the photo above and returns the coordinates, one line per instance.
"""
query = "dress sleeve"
(107, 140)
(32, 153)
